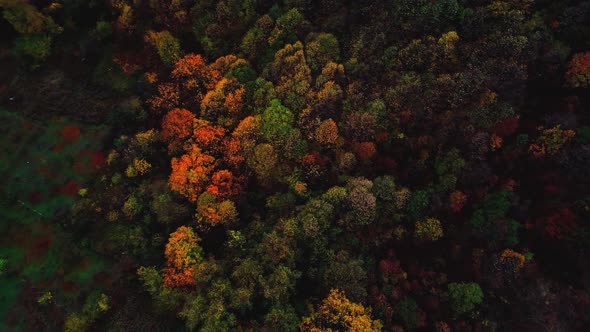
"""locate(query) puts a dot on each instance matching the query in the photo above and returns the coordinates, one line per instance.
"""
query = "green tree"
(384, 188)
(418, 203)
(447, 168)
(285, 27)
(490, 219)
(320, 49)
(347, 274)
(277, 121)
(406, 310)
(166, 45)
(279, 284)
(36, 30)
(465, 297)
(35, 46)
(281, 318)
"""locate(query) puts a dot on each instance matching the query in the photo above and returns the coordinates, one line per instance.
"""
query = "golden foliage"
(551, 141)
(337, 313)
(327, 133)
(518, 258)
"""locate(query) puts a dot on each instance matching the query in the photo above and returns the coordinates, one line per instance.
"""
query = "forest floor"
(44, 167)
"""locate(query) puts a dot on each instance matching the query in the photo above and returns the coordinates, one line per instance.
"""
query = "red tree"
(177, 125)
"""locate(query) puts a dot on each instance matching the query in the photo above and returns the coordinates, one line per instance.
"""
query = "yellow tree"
(337, 313)
(292, 76)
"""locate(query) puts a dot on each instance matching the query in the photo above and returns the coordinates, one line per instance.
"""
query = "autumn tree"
(457, 200)
(578, 71)
(446, 51)
(263, 162)
(224, 184)
(183, 253)
(166, 45)
(551, 141)
(364, 151)
(248, 132)
(338, 313)
(191, 79)
(233, 154)
(313, 164)
(360, 126)
(291, 75)
(428, 229)
(226, 65)
(191, 173)
(177, 126)
(328, 99)
(327, 133)
(225, 101)
(127, 16)
(362, 203)
(208, 137)
(213, 210)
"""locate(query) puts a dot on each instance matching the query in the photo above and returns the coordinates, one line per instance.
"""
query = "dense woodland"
(295, 165)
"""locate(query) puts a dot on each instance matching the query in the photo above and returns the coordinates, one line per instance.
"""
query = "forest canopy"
(295, 165)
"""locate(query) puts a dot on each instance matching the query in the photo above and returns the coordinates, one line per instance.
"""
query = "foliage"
(249, 158)
(578, 71)
(320, 49)
(551, 141)
(428, 229)
(191, 173)
(407, 311)
(465, 297)
(417, 203)
(167, 46)
(277, 122)
(182, 255)
(337, 312)
(36, 46)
